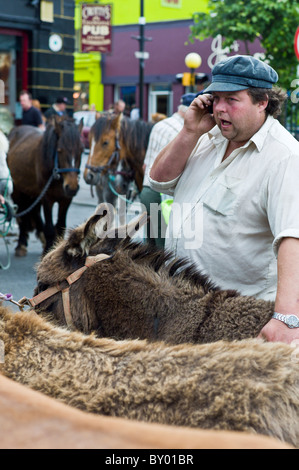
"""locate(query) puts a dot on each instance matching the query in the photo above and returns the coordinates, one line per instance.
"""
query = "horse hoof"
(21, 250)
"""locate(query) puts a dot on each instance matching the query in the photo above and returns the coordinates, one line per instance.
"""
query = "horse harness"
(57, 171)
(39, 298)
(55, 175)
(114, 158)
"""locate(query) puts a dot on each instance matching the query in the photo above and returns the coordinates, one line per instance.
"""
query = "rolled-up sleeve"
(166, 187)
(283, 200)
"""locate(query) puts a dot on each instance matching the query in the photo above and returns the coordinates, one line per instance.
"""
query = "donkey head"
(70, 258)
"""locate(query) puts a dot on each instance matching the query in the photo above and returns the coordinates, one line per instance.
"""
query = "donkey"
(247, 385)
(137, 291)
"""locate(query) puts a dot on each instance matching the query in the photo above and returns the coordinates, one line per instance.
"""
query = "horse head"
(64, 135)
(105, 148)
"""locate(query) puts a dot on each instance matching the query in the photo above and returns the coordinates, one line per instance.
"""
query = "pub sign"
(96, 28)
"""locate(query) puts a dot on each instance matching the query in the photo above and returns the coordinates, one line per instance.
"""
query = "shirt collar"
(258, 138)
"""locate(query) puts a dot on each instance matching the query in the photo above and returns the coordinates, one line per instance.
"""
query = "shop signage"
(171, 3)
(96, 28)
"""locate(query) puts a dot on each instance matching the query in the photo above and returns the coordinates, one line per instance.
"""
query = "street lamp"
(193, 61)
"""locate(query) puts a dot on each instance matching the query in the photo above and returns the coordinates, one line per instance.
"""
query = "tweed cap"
(240, 72)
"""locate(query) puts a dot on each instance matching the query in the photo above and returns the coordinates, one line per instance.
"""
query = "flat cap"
(240, 72)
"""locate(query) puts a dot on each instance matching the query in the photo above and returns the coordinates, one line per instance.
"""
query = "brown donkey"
(136, 291)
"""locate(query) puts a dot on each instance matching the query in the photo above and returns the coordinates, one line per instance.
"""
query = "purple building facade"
(167, 50)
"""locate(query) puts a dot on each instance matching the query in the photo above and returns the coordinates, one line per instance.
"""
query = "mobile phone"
(210, 109)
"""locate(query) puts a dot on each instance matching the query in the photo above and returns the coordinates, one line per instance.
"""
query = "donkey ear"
(104, 224)
(132, 227)
(86, 235)
(135, 225)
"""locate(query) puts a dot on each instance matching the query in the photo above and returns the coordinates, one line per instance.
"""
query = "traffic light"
(190, 79)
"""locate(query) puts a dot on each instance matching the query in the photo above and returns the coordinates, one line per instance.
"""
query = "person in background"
(162, 133)
(31, 115)
(58, 108)
(134, 114)
(119, 107)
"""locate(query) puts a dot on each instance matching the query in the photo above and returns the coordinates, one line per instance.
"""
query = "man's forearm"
(287, 296)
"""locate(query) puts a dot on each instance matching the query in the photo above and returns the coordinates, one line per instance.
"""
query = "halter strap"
(115, 156)
(39, 298)
(57, 170)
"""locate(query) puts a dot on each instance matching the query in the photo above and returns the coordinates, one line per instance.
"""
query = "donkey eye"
(41, 287)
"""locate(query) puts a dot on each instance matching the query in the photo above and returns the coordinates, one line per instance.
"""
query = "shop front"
(36, 54)
(13, 73)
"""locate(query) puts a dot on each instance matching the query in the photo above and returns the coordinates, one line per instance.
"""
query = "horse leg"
(21, 248)
(24, 223)
(61, 219)
(49, 230)
(39, 225)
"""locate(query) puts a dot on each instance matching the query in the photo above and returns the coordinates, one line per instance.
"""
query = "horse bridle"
(114, 157)
(46, 294)
(57, 171)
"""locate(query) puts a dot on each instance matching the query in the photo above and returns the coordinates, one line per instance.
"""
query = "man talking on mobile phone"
(238, 169)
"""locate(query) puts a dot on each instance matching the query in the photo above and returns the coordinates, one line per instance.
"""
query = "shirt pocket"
(222, 196)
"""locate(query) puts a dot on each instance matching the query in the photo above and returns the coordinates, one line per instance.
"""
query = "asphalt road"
(20, 278)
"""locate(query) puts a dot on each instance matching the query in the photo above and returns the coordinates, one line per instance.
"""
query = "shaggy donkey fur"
(140, 293)
(244, 386)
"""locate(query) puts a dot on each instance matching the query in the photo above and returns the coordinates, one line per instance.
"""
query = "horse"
(44, 168)
(115, 139)
(100, 280)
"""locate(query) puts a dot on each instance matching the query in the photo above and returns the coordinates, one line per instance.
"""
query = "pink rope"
(5, 296)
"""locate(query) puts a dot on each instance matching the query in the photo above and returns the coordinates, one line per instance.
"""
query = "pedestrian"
(162, 133)
(134, 113)
(118, 107)
(237, 172)
(31, 115)
(58, 108)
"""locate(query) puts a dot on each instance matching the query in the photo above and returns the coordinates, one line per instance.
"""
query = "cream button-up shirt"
(228, 217)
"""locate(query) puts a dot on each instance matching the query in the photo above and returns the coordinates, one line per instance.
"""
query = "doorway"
(160, 100)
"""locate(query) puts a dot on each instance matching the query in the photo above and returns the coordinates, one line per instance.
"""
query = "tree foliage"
(273, 22)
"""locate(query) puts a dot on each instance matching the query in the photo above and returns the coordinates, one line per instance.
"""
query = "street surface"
(20, 278)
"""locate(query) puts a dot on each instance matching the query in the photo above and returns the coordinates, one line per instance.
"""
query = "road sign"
(296, 43)
(141, 55)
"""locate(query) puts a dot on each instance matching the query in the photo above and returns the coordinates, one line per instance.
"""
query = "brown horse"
(123, 289)
(117, 149)
(44, 168)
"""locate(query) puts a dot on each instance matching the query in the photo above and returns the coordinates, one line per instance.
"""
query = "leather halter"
(113, 158)
(39, 298)
(57, 171)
